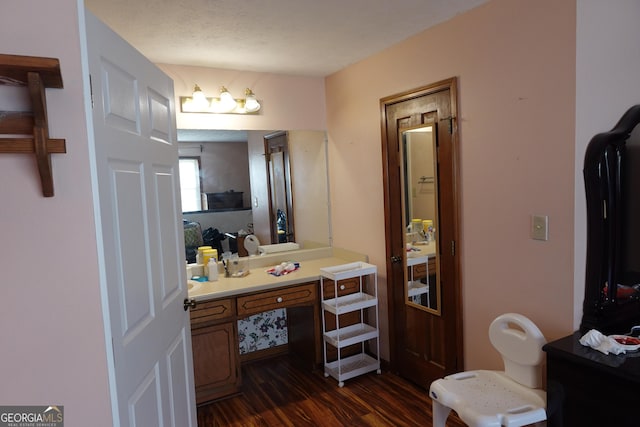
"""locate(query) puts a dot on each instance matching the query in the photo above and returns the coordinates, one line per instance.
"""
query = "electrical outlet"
(540, 227)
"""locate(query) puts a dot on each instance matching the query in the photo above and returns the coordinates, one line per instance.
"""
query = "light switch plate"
(540, 227)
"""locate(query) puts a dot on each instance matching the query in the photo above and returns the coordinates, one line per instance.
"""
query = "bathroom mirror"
(223, 163)
(308, 184)
(420, 213)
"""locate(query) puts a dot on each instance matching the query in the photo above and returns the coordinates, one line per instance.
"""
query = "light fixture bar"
(225, 104)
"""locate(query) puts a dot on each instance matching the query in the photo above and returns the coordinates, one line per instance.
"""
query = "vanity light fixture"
(251, 104)
(199, 100)
(224, 104)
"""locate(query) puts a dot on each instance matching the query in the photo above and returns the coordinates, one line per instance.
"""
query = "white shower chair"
(512, 397)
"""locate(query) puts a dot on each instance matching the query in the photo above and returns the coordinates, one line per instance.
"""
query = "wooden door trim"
(392, 157)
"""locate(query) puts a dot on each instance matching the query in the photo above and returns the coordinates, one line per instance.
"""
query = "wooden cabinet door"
(215, 361)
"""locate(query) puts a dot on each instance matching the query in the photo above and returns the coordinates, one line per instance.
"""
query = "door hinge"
(453, 248)
(450, 120)
(91, 90)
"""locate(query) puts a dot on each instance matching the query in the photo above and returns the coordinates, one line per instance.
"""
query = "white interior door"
(140, 234)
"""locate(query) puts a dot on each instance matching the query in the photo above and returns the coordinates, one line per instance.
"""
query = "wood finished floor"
(278, 392)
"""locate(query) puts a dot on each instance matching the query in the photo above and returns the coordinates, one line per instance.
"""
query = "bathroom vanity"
(219, 305)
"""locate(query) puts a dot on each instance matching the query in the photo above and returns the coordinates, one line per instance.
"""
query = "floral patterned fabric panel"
(264, 330)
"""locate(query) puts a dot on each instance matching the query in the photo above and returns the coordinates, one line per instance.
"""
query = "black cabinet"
(591, 388)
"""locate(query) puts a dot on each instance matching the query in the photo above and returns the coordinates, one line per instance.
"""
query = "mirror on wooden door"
(420, 157)
(420, 213)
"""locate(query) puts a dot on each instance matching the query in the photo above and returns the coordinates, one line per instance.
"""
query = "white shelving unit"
(359, 300)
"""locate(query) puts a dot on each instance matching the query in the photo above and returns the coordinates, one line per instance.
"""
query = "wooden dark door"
(425, 344)
(279, 183)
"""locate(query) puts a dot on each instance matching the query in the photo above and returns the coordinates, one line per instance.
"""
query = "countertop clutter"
(310, 262)
(219, 306)
(421, 249)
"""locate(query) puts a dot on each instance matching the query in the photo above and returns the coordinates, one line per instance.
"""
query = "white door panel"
(168, 236)
(120, 98)
(136, 165)
(160, 119)
(144, 406)
(127, 195)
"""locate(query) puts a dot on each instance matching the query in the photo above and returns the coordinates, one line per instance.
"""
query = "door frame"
(394, 229)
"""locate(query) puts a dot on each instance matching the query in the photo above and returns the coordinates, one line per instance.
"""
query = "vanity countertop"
(259, 280)
(422, 249)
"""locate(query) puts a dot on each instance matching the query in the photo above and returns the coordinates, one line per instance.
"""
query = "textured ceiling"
(294, 37)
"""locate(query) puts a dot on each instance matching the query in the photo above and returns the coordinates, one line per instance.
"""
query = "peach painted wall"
(51, 327)
(309, 185)
(515, 61)
(288, 102)
(608, 66)
(307, 151)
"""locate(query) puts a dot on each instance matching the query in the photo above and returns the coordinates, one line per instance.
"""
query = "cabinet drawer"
(420, 270)
(209, 311)
(280, 298)
(345, 287)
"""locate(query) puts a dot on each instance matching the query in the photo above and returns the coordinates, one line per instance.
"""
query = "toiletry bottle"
(208, 254)
(200, 255)
(427, 225)
(213, 270)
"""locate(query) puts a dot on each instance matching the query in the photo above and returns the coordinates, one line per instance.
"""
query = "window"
(190, 185)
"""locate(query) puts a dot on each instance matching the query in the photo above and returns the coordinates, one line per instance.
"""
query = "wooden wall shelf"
(28, 131)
